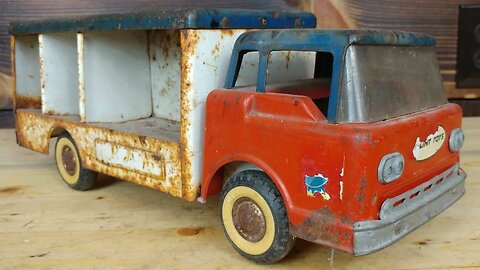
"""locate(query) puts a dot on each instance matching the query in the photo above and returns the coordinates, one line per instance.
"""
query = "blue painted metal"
(315, 184)
(332, 41)
(262, 67)
(170, 19)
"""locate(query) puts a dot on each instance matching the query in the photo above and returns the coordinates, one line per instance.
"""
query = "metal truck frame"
(288, 137)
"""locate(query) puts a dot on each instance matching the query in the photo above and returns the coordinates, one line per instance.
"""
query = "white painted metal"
(129, 158)
(27, 66)
(81, 77)
(116, 76)
(206, 71)
(282, 67)
(290, 66)
(58, 73)
(165, 53)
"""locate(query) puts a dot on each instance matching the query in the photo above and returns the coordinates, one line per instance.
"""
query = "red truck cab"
(354, 158)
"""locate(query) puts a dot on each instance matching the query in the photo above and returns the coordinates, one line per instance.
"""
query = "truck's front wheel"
(254, 217)
(69, 164)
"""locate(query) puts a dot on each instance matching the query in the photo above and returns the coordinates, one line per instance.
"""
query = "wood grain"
(118, 225)
(437, 18)
(6, 89)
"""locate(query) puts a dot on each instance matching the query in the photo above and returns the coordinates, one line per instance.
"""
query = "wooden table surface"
(118, 225)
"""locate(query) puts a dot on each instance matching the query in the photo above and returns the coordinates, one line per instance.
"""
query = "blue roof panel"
(170, 19)
(326, 40)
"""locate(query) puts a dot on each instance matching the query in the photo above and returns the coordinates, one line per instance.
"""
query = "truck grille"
(408, 201)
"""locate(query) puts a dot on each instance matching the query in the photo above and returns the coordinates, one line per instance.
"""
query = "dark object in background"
(6, 119)
(469, 106)
(468, 46)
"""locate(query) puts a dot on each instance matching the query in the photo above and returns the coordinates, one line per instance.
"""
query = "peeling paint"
(35, 129)
(23, 101)
(130, 158)
(341, 190)
(316, 184)
(343, 167)
(325, 228)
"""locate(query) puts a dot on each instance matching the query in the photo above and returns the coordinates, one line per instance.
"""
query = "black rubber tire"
(86, 178)
(282, 240)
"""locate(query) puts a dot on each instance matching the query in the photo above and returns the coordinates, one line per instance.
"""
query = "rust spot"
(227, 32)
(374, 199)
(13, 189)
(287, 59)
(28, 102)
(165, 51)
(276, 15)
(157, 157)
(142, 139)
(53, 112)
(323, 227)
(190, 231)
(361, 192)
(216, 51)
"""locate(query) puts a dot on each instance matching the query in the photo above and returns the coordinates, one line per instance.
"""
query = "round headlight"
(390, 167)
(456, 140)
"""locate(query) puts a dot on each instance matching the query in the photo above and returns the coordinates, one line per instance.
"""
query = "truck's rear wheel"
(254, 217)
(69, 164)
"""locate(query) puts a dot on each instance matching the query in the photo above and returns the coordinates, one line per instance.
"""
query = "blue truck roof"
(170, 19)
(326, 40)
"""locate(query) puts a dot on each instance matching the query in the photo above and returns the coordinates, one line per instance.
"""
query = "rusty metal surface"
(188, 41)
(69, 161)
(325, 228)
(23, 102)
(249, 220)
(34, 132)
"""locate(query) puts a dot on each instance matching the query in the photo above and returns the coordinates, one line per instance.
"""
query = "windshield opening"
(313, 75)
(383, 82)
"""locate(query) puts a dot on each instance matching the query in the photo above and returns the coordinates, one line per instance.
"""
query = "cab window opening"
(310, 74)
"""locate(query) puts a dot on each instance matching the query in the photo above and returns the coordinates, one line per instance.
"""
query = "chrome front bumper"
(404, 213)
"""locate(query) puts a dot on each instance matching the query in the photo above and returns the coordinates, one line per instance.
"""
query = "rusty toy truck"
(340, 137)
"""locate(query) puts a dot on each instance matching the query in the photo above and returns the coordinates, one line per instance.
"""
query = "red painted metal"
(288, 138)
